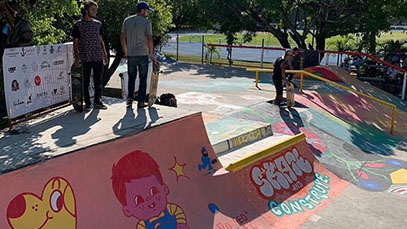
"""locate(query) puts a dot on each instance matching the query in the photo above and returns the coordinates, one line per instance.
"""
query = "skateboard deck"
(290, 95)
(77, 87)
(154, 84)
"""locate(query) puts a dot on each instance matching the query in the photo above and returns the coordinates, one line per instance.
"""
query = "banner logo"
(45, 64)
(12, 69)
(37, 80)
(15, 85)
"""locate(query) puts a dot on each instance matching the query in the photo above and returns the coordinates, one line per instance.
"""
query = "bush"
(343, 43)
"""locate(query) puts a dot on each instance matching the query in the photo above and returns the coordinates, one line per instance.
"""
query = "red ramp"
(325, 72)
(169, 177)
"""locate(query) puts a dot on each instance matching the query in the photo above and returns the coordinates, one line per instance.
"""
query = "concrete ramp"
(354, 108)
(364, 87)
(170, 177)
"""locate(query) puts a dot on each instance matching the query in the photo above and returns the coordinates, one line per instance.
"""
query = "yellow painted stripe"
(239, 165)
(259, 70)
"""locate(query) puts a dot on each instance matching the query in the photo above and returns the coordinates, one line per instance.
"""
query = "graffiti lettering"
(242, 218)
(281, 173)
(316, 195)
(223, 226)
(241, 140)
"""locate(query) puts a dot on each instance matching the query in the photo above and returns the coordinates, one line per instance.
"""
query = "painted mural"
(139, 187)
(369, 174)
(151, 180)
(54, 208)
(286, 172)
(315, 197)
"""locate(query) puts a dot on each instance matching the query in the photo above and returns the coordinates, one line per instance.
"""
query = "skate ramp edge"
(167, 176)
(278, 147)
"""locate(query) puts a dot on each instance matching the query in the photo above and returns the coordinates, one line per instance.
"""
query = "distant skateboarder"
(206, 161)
(279, 75)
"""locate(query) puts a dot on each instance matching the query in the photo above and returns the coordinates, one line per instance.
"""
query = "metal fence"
(201, 51)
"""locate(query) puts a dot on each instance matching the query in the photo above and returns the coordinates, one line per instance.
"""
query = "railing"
(261, 48)
(302, 73)
(258, 70)
(377, 60)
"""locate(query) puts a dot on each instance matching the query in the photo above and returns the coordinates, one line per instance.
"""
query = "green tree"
(299, 18)
(184, 13)
(377, 17)
(52, 20)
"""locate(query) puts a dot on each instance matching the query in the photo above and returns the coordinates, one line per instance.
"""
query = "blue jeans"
(140, 64)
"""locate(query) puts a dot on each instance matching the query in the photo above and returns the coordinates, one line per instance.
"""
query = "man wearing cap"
(279, 75)
(137, 42)
(294, 63)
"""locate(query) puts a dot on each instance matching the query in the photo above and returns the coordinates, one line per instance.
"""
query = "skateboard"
(290, 95)
(154, 84)
(77, 87)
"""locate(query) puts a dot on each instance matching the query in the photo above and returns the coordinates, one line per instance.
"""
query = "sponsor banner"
(36, 77)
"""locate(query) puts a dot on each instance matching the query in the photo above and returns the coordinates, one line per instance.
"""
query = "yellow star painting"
(179, 169)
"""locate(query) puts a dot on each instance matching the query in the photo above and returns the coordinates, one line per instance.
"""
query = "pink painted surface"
(158, 177)
(324, 72)
(355, 108)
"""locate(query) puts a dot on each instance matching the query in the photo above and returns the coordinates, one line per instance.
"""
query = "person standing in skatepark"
(279, 74)
(137, 42)
(90, 51)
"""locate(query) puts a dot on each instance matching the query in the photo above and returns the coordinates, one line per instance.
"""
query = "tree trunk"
(320, 37)
(281, 37)
(320, 40)
(299, 41)
(109, 72)
(372, 42)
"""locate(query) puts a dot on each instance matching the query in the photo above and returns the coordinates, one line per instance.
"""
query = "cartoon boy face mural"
(139, 187)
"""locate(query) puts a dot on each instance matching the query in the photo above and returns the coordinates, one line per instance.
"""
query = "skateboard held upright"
(77, 87)
(290, 95)
(154, 84)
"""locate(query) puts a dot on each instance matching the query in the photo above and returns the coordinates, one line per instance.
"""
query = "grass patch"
(270, 40)
(219, 61)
